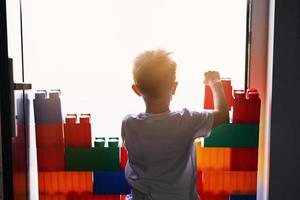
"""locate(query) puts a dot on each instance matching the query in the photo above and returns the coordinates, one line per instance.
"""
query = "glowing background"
(86, 48)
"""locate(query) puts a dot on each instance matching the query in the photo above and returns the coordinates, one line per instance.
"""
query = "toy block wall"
(69, 168)
(227, 161)
(49, 131)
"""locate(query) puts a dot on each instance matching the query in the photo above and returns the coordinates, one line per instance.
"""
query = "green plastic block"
(113, 142)
(99, 142)
(92, 159)
(233, 135)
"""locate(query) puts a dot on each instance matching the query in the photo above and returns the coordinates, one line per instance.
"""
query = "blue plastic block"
(47, 110)
(110, 183)
(243, 197)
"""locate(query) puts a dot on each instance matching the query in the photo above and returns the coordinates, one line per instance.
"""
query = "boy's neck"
(157, 105)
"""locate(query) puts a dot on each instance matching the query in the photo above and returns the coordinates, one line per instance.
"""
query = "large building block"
(99, 142)
(244, 159)
(112, 182)
(229, 182)
(124, 158)
(199, 182)
(113, 142)
(79, 197)
(234, 135)
(65, 183)
(243, 197)
(123, 197)
(92, 159)
(78, 134)
(211, 158)
(52, 197)
(214, 197)
(246, 107)
(209, 99)
(47, 110)
(50, 159)
(49, 135)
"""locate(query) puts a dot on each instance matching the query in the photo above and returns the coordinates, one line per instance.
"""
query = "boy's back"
(161, 153)
(161, 160)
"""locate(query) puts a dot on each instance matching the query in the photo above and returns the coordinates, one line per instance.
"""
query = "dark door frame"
(6, 102)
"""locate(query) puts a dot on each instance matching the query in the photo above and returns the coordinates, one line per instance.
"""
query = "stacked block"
(92, 159)
(49, 131)
(229, 182)
(110, 183)
(51, 183)
(227, 161)
(234, 135)
(214, 197)
(124, 158)
(78, 134)
(99, 142)
(69, 167)
(209, 99)
(246, 107)
(80, 197)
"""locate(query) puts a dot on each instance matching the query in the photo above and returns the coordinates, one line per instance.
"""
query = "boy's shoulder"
(183, 113)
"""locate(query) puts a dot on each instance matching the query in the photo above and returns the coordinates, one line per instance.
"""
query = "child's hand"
(211, 77)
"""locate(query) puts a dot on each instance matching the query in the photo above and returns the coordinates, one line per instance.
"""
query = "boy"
(160, 142)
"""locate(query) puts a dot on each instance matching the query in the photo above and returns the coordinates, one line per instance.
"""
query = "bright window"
(86, 49)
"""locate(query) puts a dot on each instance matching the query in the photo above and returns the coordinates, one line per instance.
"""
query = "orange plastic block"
(52, 197)
(124, 158)
(209, 99)
(79, 197)
(211, 158)
(65, 182)
(49, 135)
(50, 158)
(244, 159)
(78, 134)
(229, 182)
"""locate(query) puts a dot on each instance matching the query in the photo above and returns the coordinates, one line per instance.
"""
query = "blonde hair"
(154, 72)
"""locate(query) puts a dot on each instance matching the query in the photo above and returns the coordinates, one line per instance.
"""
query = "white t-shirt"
(161, 153)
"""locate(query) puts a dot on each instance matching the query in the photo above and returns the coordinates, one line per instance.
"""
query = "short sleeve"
(199, 123)
(123, 134)
(123, 128)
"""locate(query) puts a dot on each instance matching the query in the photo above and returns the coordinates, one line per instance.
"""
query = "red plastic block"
(244, 159)
(93, 197)
(122, 197)
(214, 197)
(229, 182)
(246, 107)
(124, 158)
(78, 134)
(52, 197)
(49, 135)
(199, 182)
(65, 182)
(79, 197)
(209, 99)
(50, 158)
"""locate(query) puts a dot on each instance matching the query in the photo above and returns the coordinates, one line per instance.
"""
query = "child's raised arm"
(221, 114)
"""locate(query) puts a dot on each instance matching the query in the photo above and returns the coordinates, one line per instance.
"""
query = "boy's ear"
(174, 87)
(136, 90)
